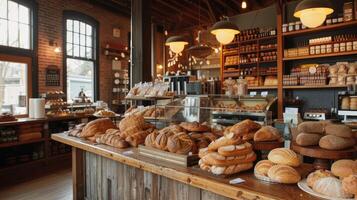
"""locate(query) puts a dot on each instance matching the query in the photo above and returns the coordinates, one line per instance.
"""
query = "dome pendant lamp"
(176, 43)
(224, 31)
(312, 13)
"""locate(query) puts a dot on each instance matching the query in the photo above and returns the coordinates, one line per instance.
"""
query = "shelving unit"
(313, 86)
(347, 53)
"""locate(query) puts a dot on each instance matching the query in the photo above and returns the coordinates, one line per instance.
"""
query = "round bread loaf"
(343, 168)
(330, 186)
(150, 139)
(284, 156)
(180, 143)
(161, 140)
(349, 184)
(262, 167)
(283, 174)
(267, 133)
(137, 121)
(245, 127)
(316, 175)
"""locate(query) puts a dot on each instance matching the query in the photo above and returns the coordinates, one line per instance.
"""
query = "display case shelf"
(313, 86)
(321, 56)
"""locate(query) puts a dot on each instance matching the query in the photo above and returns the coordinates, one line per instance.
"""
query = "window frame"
(73, 15)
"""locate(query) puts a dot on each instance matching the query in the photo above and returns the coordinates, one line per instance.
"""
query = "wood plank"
(77, 173)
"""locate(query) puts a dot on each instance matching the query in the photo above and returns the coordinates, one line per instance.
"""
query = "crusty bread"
(245, 127)
(150, 139)
(137, 121)
(137, 138)
(98, 126)
(229, 139)
(349, 184)
(311, 127)
(216, 159)
(343, 168)
(330, 186)
(308, 139)
(283, 174)
(332, 142)
(204, 166)
(129, 131)
(161, 140)
(262, 167)
(339, 130)
(235, 150)
(232, 169)
(284, 156)
(267, 133)
(180, 143)
(202, 152)
(316, 175)
(112, 140)
(194, 127)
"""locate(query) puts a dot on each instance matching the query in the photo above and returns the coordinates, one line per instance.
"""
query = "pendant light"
(224, 31)
(176, 43)
(312, 13)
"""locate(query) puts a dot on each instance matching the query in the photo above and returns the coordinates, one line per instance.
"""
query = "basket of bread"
(338, 184)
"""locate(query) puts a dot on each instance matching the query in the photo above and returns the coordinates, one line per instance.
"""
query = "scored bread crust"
(235, 150)
(284, 156)
(267, 133)
(232, 169)
(195, 127)
(215, 159)
(262, 167)
(283, 174)
(229, 139)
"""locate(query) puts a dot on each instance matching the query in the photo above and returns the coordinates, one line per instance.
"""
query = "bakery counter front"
(104, 172)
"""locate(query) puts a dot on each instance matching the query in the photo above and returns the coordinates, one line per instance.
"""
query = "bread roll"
(245, 127)
(344, 168)
(332, 142)
(311, 127)
(204, 166)
(330, 186)
(283, 174)
(308, 139)
(98, 126)
(202, 152)
(235, 150)
(267, 133)
(262, 167)
(339, 130)
(233, 169)
(229, 139)
(215, 159)
(137, 121)
(349, 184)
(316, 175)
(284, 156)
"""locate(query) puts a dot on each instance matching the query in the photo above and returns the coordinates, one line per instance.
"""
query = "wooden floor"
(56, 186)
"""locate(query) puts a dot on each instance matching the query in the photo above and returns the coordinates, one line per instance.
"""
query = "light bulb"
(177, 47)
(313, 17)
(216, 50)
(244, 4)
(225, 36)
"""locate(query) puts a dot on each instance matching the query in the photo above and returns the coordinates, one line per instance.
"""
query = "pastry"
(330, 186)
(332, 142)
(232, 169)
(311, 127)
(308, 139)
(316, 175)
(229, 139)
(137, 138)
(235, 150)
(267, 133)
(344, 168)
(180, 143)
(137, 121)
(216, 159)
(283, 174)
(245, 127)
(194, 127)
(262, 167)
(284, 156)
(349, 184)
(98, 126)
(339, 130)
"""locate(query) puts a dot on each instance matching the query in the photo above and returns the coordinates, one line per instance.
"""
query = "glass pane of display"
(69, 25)
(82, 52)
(80, 76)
(13, 34)
(76, 50)
(3, 9)
(76, 26)
(69, 49)
(13, 84)
(3, 32)
(83, 40)
(82, 28)
(75, 38)
(89, 53)
(24, 15)
(89, 30)
(13, 11)
(69, 37)
(89, 41)
(24, 36)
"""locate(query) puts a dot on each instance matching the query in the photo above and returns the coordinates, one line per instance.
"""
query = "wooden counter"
(104, 172)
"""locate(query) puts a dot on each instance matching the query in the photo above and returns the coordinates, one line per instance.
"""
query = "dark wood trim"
(78, 173)
(280, 54)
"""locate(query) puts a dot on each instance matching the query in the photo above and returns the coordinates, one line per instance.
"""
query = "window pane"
(76, 26)
(13, 83)
(76, 38)
(83, 28)
(89, 41)
(80, 76)
(69, 25)
(82, 52)
(13, 11)
(13, 34)
(89, 53)
(69, 49)
(24, 36)
(76, 50)
(69, 37)
(83, 40)
(3, 9)
(89, 30)
(3, 32)
(24, 15)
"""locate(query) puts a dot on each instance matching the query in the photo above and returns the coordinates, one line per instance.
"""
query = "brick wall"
(50, 27)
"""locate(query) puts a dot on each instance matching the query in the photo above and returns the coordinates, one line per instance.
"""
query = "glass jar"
(328, 21)
(312, 50)
(242, 88)
(336, 47)
(317, 49)
(297, 25)
(329, 48)
(285, 28)
(354, 45)
(349, 46)
(291, 26)
(342, 46)
(323, 49)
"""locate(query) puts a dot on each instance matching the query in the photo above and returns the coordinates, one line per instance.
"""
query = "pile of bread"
(230, 153)
(146, 112)
(326, 135)
(340, 182)
(157, 89)
(280, 167)
(184, 138)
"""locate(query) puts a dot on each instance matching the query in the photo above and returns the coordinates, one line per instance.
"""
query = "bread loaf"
(161, 140)
(245, 127)
(194, 127)
(216, 159)
(229, 139)
(98, 126)
(311, 127)
(233, 169)
(248, 137)
(316, 175)
(112, 140)
(332, 142)
(349, 184)
(343, 168)
(262, 167)
(137, 121)
(150, 139)
(202, 152)
(129, 131)
(204, 166)
(235, 150)
(339, 130)
(284, 156)
(308, 139)
(180, 143)
(283, 174)
(330, 186)
(137, 138)
(267, 133)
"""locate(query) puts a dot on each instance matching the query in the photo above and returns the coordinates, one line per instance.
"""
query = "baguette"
(332, 142)
(339, 130)
(229, 139)
(232, 169)
(235, 150)
(215, 159)
(308, 139)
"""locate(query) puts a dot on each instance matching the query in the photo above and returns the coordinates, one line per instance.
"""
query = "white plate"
(304, 187)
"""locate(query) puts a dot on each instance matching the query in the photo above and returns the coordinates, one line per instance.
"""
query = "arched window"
(80, 55)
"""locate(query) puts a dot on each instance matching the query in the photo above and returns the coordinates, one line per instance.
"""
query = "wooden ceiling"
(178, 14)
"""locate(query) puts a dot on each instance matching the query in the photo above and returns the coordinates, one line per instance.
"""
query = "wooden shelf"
(321, 28)
(313, 86)
(321, 55)
(263, 88)
(12, 144)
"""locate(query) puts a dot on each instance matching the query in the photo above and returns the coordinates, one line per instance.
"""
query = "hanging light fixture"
(176, 43)
(244, 5)
(224, 31)
(312, 13)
